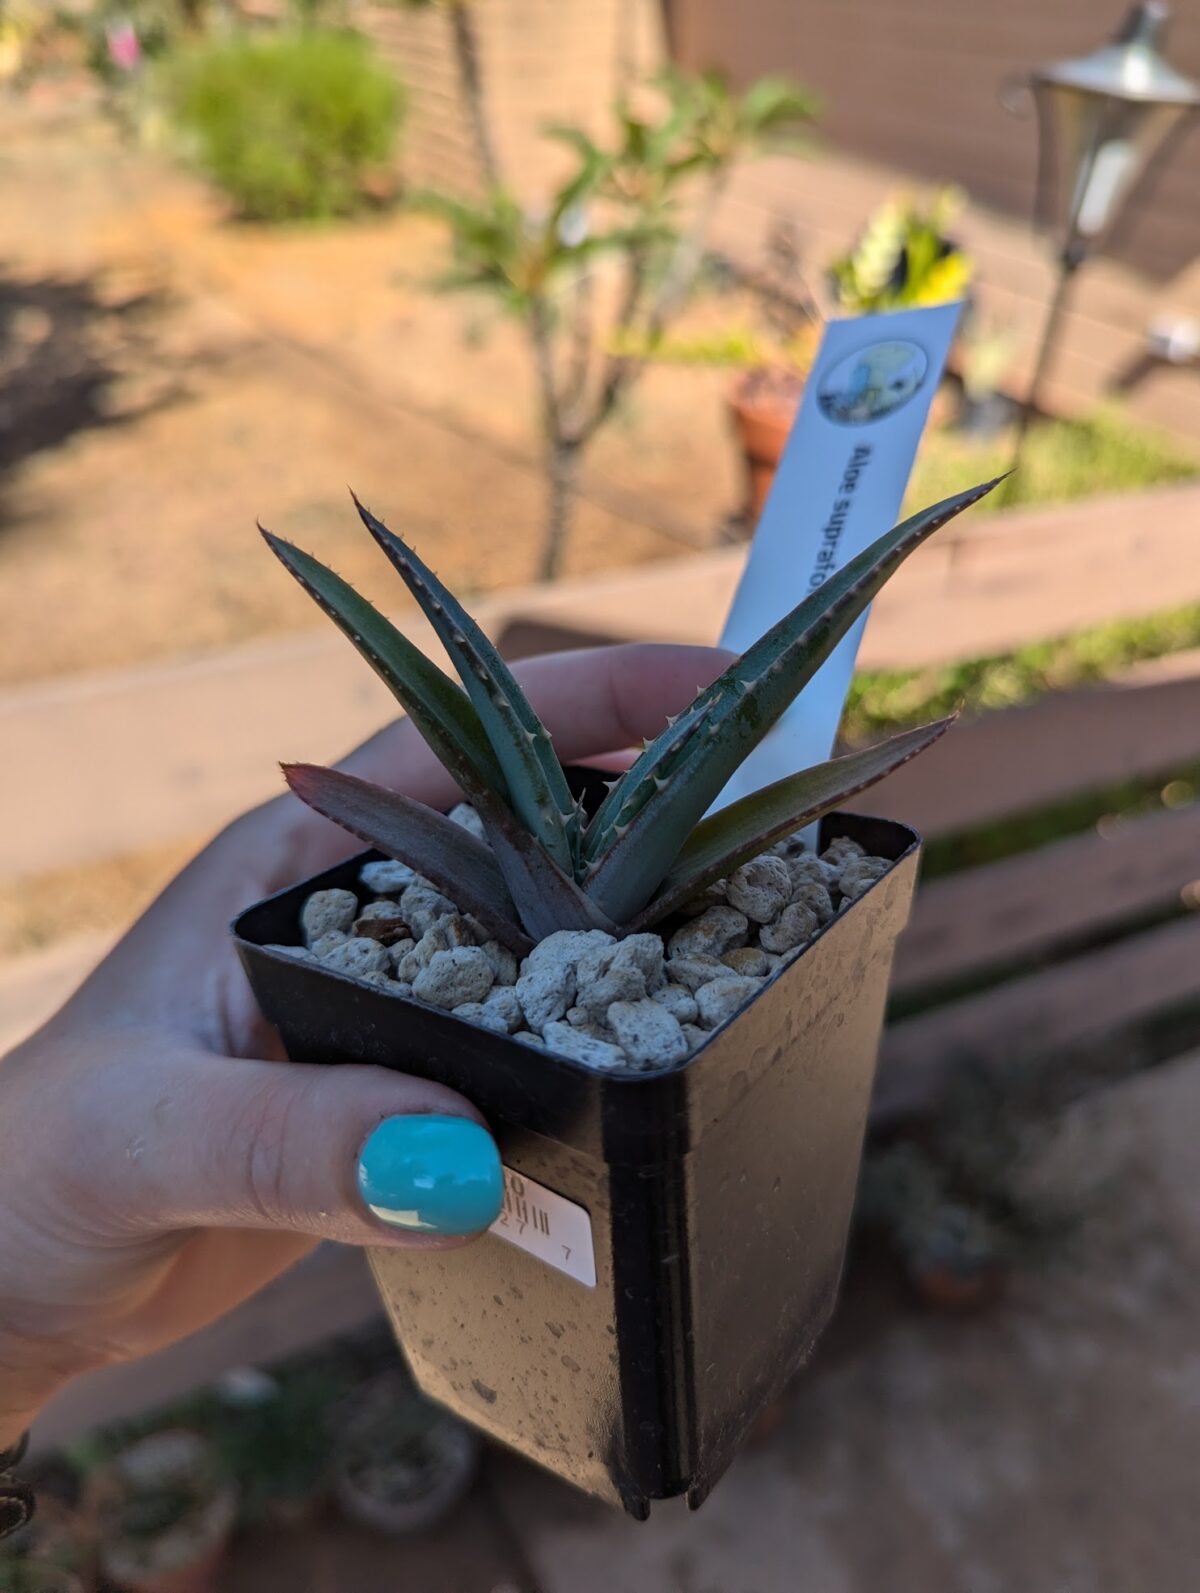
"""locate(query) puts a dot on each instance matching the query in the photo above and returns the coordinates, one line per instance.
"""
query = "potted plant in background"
(400, 1463)
(164, 1511)
(669, 1020)
(903, 258)
(53, 1554)
(272, 1435)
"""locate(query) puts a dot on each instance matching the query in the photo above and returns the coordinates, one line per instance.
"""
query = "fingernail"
(432, 1174)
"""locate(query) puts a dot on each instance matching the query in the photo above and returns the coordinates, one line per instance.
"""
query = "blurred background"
(541, 280)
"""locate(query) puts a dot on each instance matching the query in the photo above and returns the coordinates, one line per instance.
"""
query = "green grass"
(1062, 461)
(884, 700)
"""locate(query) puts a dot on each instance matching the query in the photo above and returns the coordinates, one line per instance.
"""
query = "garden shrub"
(290, 125)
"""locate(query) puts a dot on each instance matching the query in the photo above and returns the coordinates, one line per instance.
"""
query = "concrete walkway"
(1051, 1446)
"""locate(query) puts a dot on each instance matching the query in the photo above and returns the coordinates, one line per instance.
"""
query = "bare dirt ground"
(166, 377)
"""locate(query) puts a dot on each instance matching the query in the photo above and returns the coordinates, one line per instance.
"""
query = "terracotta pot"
(958, 1289)
(762, 407)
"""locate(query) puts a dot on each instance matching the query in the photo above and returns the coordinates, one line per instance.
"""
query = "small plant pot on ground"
(165, 1512)
(401, 1464)
(672, 1241)
(762, 407)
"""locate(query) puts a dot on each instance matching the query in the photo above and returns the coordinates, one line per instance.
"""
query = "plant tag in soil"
(839, 485)
(543, 1224)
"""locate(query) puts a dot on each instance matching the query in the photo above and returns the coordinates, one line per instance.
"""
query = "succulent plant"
(648, 848)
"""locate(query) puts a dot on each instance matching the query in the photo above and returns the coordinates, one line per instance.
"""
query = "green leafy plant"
(290, 126)
(904, 257)
(621, 199)
(649, 847)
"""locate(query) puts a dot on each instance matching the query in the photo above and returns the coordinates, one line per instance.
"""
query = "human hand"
(160, 1162)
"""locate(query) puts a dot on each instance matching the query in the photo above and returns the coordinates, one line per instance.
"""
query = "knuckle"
(268, 1150)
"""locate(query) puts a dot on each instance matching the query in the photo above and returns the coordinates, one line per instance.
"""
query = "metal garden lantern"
(1101, 119)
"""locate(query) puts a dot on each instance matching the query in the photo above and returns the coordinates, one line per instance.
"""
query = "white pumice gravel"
(358, 958)
(501, 1003)
(499, 1010)
(678, 1000)
(721, 998)
(583, 1047)
(795, 926)
(749, 960)
(585, 994)
(504, 963)
(692, 972)
(454, 978)
(803, 866)
(398, 951)
(423, 906)
(566, 947)
(600, 979)
(647, 1033)
(386, 877)
(325, 911)
(841, 850)
(859, 873)
(761, 888)
(717, 930)
(465, 815)
(815, 895)
(545, 992)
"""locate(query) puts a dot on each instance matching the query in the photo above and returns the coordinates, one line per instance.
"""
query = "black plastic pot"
(715, 1198)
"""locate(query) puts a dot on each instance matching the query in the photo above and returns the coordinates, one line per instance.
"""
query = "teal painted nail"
(432, 1174)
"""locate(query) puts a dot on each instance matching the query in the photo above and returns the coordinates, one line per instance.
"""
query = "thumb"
(357, 1154)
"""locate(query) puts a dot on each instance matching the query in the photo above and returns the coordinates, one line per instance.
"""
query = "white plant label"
(547, 1226)
(839, 485)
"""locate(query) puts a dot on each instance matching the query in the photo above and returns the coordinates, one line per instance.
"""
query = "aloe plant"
(648, 848)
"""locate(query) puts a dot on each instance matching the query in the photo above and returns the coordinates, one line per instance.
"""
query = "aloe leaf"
(439, 708)
(747, 827)
(537, 787)
(452, 858)
(730, 718)
(803, 638)
(547, 899)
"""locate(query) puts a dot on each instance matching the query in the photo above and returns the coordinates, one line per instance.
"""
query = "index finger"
(592, 701)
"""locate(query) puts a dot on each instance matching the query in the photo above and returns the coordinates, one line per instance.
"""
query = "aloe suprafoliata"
(649, 847)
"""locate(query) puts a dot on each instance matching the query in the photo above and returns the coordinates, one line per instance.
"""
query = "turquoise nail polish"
(432, 1174)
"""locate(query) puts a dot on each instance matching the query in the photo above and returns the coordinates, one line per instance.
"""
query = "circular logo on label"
(872, 383)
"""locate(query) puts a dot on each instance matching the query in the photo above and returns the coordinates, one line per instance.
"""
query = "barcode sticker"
(547, 1226)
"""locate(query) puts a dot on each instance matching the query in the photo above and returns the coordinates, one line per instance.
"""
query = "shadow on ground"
(74, 357)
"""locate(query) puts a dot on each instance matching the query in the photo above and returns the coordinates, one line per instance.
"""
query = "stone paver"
(1049, 1447)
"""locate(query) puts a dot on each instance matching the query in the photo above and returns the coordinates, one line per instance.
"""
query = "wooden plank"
(1026, 906)
(1020, 759)
(1039, 1014)
(327, 1293)
(175, 748)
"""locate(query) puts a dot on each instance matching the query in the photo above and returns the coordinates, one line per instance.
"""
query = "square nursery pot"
(672, 1242)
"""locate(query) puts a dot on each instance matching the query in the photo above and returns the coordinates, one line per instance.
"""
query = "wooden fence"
(1055, 946)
